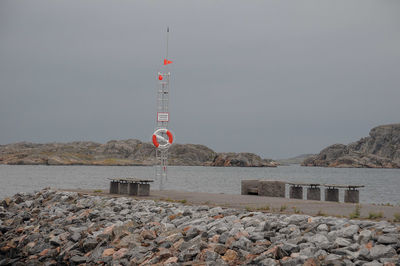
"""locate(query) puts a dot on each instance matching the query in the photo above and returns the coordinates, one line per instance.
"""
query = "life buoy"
(157, 138)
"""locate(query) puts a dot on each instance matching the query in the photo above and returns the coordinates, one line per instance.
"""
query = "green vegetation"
(356, 213)
(248, 208)
(374, 215)
(396, 217)
(264, 208)
(98, 191)
(176, 201)
(283, 208)
(295, 210)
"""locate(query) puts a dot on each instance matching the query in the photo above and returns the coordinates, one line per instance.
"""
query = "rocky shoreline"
(381, 149)
(67, 228)
(131, 152)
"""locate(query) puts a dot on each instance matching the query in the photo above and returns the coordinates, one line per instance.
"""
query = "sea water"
(381, 185)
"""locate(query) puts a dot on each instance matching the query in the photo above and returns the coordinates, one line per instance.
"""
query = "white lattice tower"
(162, 122)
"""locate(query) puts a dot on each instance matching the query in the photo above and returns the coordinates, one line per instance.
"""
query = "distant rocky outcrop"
(241, 159)
(294, 160)
(121, 152)
(381, 149)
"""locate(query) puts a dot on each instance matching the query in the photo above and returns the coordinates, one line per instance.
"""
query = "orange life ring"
(156, 136)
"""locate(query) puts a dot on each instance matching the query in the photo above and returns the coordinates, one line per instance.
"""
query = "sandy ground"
(268, 204)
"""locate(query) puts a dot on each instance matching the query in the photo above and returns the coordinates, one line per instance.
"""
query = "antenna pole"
(167, 41)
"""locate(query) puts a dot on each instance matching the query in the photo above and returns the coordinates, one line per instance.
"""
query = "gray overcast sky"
(277, 78)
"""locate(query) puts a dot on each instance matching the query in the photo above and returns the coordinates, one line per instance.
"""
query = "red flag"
(166, 62)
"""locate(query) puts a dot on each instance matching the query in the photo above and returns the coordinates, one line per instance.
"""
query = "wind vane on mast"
(162, 137)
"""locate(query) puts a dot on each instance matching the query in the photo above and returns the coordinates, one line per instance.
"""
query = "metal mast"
(162, 122)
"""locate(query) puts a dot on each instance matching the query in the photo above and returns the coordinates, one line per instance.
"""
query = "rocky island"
(381, 149)
(122, 152)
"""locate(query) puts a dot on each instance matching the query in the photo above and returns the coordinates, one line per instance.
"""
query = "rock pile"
(53, 228)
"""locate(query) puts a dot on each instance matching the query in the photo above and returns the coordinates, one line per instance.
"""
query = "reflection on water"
(382, 185)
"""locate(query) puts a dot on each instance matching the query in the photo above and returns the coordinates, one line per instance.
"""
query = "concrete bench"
(272, 188)
(268, 188)
(351, 194)
(296, 191)
(130, 186)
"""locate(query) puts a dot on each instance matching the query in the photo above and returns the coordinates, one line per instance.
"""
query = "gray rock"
(89, 244)
(381, 251)
(55, 241)
(28, 203)
(191, 233)
(364, 254)
(373, 263)
(78, 259)
(211, 256)
(296, 219)
(342, 242)
(349, 231)
(223, 238)
(268, 261)
(365, 236)
(290, 248)
(308, 252)
(291, 262)
(75, 237)
(322, 227)
(332, 257)
(319, 239)
(243, 243)
(188, 254)
(386, 239)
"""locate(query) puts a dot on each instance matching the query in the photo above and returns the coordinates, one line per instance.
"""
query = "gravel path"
(271, 204)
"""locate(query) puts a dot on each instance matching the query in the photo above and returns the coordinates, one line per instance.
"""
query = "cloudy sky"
(277, 78)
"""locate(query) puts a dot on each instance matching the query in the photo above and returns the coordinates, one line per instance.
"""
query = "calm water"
(382, 185)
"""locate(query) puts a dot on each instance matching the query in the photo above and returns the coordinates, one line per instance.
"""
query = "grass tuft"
(375, 215)
(396, 217)
(356, 213)
(283, 208)
(295, 210)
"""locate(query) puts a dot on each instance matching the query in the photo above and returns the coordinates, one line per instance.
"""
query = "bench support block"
(296, 192)
(143, 189)
(352, 196)
(332, 194)
(271, 188)
(247, 185)
(313, 193)
(114, 187)
(123, 188)
(133, 189)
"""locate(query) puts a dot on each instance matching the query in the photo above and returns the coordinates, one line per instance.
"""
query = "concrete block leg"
(113, 187)
(313, 193)
(133, 189)
(296, 192)
(271, 188)
(332, 194)
(123, 188)
(352, 196)
(248, 184)
(144, 190)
